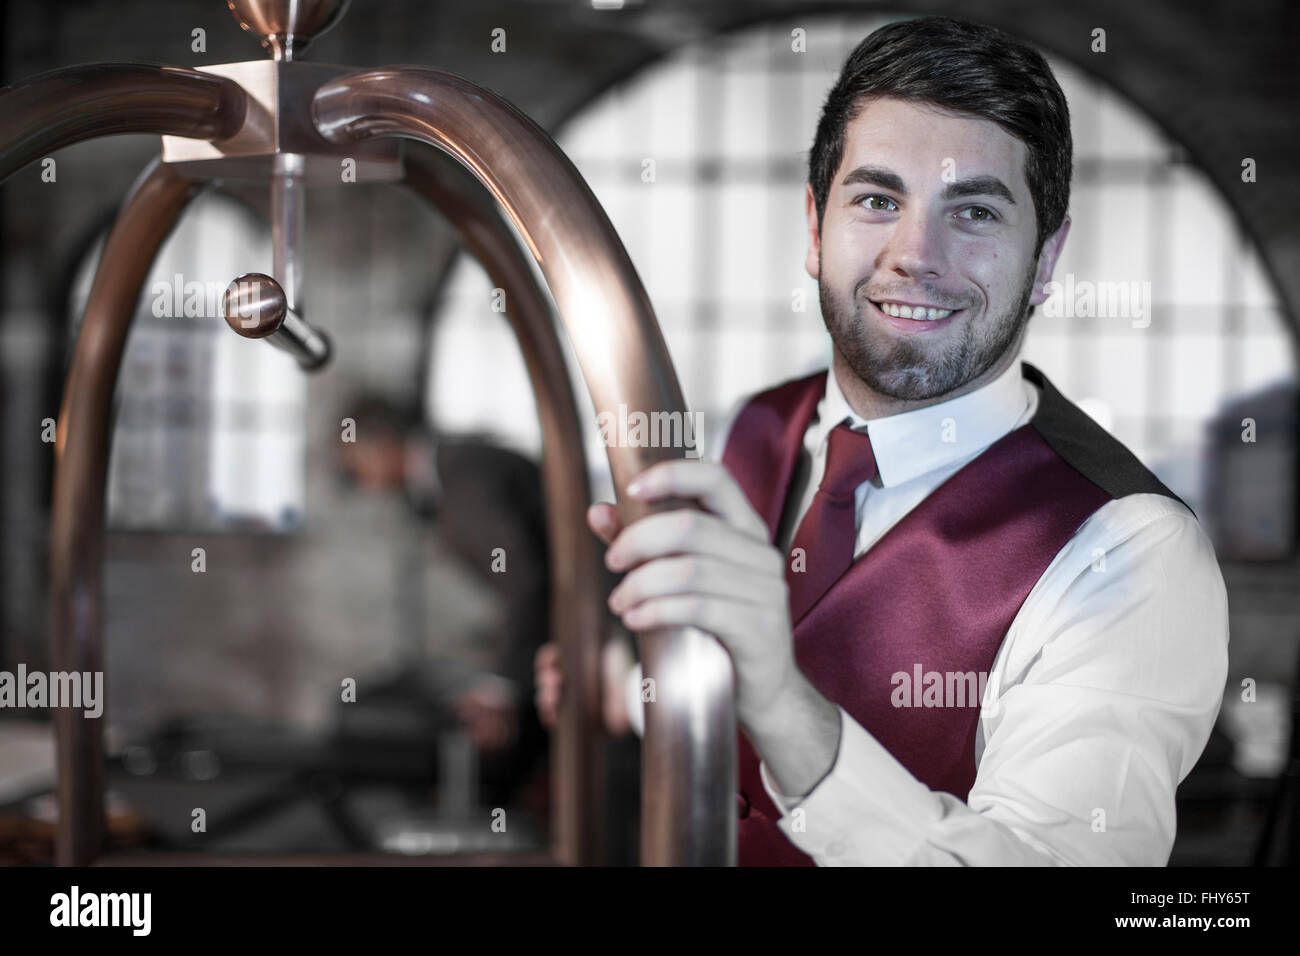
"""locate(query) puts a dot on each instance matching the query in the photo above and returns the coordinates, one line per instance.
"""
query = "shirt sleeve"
(1102, 700)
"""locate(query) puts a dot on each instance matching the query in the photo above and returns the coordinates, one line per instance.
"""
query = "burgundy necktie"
(827, 533)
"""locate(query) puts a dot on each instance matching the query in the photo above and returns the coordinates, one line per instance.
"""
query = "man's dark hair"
(966, 68)
(378, 416)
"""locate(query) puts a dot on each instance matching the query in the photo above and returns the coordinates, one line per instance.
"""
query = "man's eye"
(978, 214)
(878, 203)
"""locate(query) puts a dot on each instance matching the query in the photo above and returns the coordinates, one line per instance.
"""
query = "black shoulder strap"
(1087, 447)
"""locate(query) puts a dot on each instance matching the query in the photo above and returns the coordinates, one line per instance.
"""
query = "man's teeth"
(907, 312)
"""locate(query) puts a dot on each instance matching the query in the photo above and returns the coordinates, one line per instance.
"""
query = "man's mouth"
(914, 316)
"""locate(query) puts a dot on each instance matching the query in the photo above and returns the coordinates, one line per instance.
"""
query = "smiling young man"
(968, 626)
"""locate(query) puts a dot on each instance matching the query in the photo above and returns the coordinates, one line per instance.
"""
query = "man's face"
(377, 463)
(925, 254)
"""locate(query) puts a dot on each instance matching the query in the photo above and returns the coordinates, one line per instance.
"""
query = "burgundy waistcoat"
(939, 590)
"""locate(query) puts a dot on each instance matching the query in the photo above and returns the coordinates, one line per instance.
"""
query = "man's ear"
(1051, 251)
(813, 262)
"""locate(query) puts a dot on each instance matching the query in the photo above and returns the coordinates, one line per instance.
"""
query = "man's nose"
(915, 248)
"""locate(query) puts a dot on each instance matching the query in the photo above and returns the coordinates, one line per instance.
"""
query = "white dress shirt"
(1101, 697)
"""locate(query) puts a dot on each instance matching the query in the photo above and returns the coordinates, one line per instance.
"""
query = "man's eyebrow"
(888, 179)
(876, 176)
(979, 186)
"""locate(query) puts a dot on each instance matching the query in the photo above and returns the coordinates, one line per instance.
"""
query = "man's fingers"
(547, 708)
(734, 623)
(603, 519)
(693, 574)
(549, 679)
(547, 656)
(550, 682)
(706, 482)
(690, 532)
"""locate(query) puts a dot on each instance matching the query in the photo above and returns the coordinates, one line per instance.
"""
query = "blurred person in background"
(473, 498)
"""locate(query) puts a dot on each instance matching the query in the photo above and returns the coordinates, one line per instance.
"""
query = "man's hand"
(713, 569)
(616, 661)
(548, 676)
(717, 571)
(487, 712)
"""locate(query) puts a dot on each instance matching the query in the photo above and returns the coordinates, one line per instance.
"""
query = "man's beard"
(924, 365)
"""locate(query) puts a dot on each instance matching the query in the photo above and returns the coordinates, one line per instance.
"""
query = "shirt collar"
(913, 443)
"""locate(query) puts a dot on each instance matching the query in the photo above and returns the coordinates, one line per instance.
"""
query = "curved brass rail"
(80, 473)
(62, 107)
(577, 604)
(43, 114)
(689, 761)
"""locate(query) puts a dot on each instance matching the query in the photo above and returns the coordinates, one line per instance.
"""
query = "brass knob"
(255, 306)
